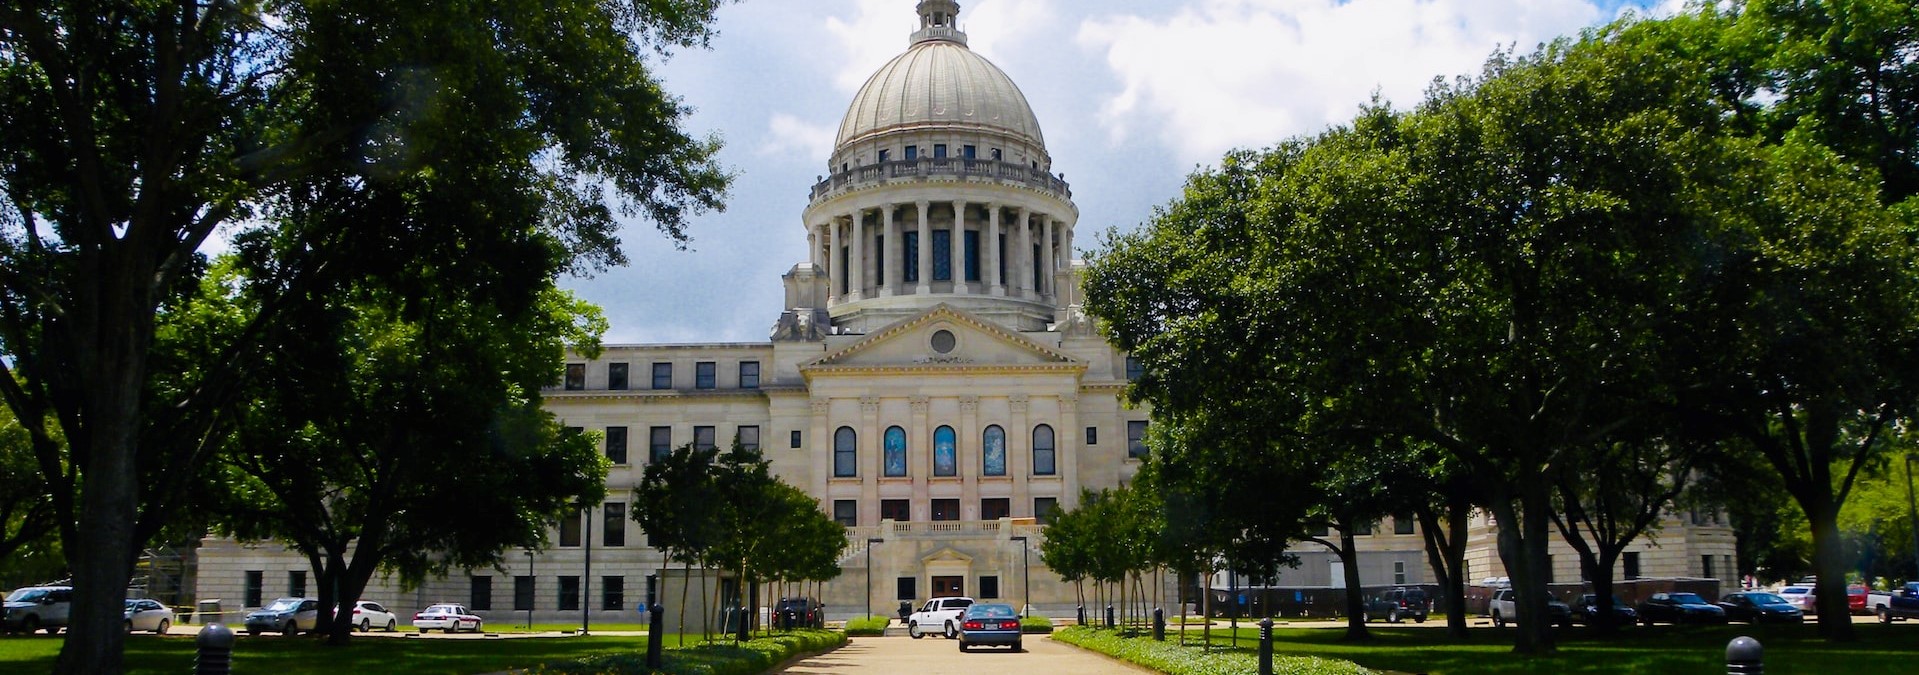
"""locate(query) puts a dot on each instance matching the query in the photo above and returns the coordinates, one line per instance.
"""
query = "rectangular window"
(879, 257)
(945, 509)
(911, 249)
(846, 512)
(570, 529)
(908, 589)
(998, 155)
(1399, 572)
(480, 597)
(1403, 523)
(659, 444)
(969, 151)
(1705, 563)
(1549, 569)
(706, 375)
(569, 593)
(704, 439)
(1631, 560)
(616, 445)
(995, 508)
(750, 373)
(846, 261)
(1134, 370)
(939, 151)
(1362, 529)
(885, 154)
(1092, 435)
(793, 440)
(1044, 507)
(255, 588)
(662, 376)
(1001, 257)
(522, 593)
(297, 583)
(616, 376)
(972, 255)
(749, 437)
(912, 152)
(942, 255)
(652, 589)
(1136, 439)
(896, 510)
(614, 515)
(612, 593)
(575, 376)
(989, 587)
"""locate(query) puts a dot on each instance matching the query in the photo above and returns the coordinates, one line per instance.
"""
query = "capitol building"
(930, 379)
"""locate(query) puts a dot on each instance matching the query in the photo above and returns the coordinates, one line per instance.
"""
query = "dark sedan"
(1760, 607)
(1679, 608)
(1586, 611)
(989, 624)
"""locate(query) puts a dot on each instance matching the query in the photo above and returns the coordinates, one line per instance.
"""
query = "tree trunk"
(1355, 592)
(1828, 561)
(686, 586)
(1446, 554)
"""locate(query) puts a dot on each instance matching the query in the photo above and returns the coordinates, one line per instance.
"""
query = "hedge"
(721, 658)
(870, 626)
(1035, 625)
(1169, 657)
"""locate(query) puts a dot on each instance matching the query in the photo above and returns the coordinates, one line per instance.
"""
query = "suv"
(37, 608)
(799, 613)
(1503, 610)
(1397, 604)
(939, 613)
(285, 616)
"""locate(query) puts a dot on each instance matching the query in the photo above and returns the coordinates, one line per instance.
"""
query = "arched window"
(945, 457)
(895, 451)
(993, 451)
(845, 453)
(1043, 450)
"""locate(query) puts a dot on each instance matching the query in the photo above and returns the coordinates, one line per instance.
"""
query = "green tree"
(1613, 494)
(133, 130)
(26, 515)
(675, 506)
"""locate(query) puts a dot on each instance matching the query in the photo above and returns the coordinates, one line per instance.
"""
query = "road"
(939, 656)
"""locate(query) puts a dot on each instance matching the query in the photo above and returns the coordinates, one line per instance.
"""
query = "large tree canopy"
(131, 131)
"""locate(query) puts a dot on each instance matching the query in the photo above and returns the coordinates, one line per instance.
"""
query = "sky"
(1131, 95)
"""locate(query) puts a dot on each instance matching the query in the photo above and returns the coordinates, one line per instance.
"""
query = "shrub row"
(869, 626)
(1169, 657)
(722, 658)
(1035, 625)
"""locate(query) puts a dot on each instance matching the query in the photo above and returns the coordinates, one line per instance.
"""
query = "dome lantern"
(939, 20)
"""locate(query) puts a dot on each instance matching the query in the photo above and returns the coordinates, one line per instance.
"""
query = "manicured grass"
(1169, 657)
(415, 656)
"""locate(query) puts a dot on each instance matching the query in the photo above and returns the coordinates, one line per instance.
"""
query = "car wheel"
(366, 626)
(31, 625)
(452, 627)
(255, 632)
(164, 625)
(1419, 618)
(1392, 616)
(913, 630)
(1018, 646)
(1498, 621)
(963, 647)
(478, 626)
(1884, 616)
(391, 625)
(129, 626)
(952, 631)
(291, 629)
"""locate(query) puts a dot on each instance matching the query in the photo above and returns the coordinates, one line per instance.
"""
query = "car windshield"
(27, 595)
(991, 612)
(1766, 598)
(1687, 599)
(284, 605)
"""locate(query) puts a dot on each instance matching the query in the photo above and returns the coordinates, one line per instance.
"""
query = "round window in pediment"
(943, 341)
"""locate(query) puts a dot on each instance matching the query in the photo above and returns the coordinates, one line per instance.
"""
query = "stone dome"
(939, 84)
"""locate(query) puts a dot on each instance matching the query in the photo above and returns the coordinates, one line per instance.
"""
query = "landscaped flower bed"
(1169, 657)
(721, 658)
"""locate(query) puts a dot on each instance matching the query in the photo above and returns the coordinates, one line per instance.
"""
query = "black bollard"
(1265, 647)
(1159, 624)
(1110, 623)
(1082, 614)
(656, 617)
(746, 626)
(215, 655)
(1744, 657)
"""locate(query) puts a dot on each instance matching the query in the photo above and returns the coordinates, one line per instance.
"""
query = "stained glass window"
(945, 457)
(895, 451)
(942, 255)
(993, 451)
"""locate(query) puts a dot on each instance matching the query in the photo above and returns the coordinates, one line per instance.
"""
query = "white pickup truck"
(939, 614)
(1892, 606)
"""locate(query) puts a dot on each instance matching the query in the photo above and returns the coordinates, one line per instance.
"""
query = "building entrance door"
(947, 587)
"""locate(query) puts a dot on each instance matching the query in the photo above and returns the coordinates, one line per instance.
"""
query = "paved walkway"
(940, 656)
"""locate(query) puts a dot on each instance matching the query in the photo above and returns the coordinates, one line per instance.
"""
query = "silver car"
(286, 616)
(149, 615)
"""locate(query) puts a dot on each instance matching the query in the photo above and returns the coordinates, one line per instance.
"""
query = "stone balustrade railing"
(965, 169)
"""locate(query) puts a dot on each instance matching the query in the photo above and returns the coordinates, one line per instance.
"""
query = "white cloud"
(878, 30)
(789, 135)
(1220, 74)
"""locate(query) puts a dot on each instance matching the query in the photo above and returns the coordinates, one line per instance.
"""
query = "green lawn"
(1661, 649)
(303, 655)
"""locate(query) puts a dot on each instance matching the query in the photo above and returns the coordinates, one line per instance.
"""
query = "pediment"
(942, 336)
(947, 555)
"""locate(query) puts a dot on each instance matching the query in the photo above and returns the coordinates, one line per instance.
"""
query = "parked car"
(145, 614)
(1856, 600)
(940, 614)
(799, 613)
(1397, 604)
(1679, 608)
(1801, 596)
(37, 608)
(447, 617)
(1892, 606)
(366, 615)
(989, 624)
(1586, 610)
(1504, 610)
(1760, 607)
(286, 616)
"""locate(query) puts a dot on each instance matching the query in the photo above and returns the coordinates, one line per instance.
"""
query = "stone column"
(925, 285)
(991, 256)
(1046, 223)
(856, 280)
(833, 271)
(1066, 446)
(958, 248)
(890, 252)
(968, 436)
(820, 446)
(1019, 455)
(1023, 272)
(919, 456)
(869, 462)
(813, 244)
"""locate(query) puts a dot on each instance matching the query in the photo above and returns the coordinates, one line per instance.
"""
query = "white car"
(1800, 596)
(367, 614)
(145, 614)
(939, 614)
(450, 618)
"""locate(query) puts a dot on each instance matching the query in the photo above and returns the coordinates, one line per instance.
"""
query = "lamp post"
(1026, 578)
(530, 580)
(870, 543)
(1913, 511)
